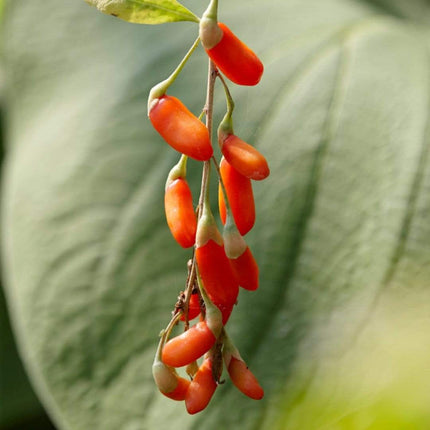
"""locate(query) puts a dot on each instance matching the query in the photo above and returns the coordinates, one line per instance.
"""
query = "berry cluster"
(221, 263)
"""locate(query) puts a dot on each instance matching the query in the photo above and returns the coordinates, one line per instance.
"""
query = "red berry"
(180, 214)
(188, 346)
(246, 270)
(240, 196)
(201, 388)
(168, 381)
(235, 59)
(180, 128)
(244, 158)
(243, 379)
(180, 391)
(218, 277)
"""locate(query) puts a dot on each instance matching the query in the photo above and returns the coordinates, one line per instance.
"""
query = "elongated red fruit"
(235, 60)
(201, 388)
(188, 346)
(180, 128)
(169, 382)
(218, 278)
(244, 158)
(243, 379)
(240, 196)
(180, 214)
(246, 270)
(179, 393)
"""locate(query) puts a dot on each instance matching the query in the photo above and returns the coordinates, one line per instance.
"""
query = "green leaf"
(145, 12)
(337, 333)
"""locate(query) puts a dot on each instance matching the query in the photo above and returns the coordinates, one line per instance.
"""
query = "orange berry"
(218, 277)
(168, 381)
(180, 391)
(180, 128)
(244, 158)
(188, 346)
(201, 388)
(243, 379)
(240, 196)
(180, 214)
(246, 270)
(234, 59)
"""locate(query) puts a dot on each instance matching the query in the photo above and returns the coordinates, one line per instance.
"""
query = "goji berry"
(180, 128)
(247, 160)
(188, 346)
(179, 393)
(180, 214)
(214, 267)
(232, 57)
(169, 382)
(201, 388)
(240, 196)
(246, 270)
(218, 278)
(243, 379)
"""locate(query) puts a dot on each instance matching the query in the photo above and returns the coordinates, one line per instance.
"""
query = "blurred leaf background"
(19, 406)
(338, 331)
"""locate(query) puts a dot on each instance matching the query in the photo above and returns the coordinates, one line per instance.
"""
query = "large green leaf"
(335, 332)
(19, 407)
(145, 12)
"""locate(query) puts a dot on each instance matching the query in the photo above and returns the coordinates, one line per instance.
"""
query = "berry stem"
(160, 89)
(191, 281)
(164, 335)
(204, 189)
(226, 126)
(212, 74)
(224, 192)
(179, 170)
(229, 98)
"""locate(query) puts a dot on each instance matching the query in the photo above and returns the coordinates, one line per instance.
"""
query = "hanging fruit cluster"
(221, 263)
